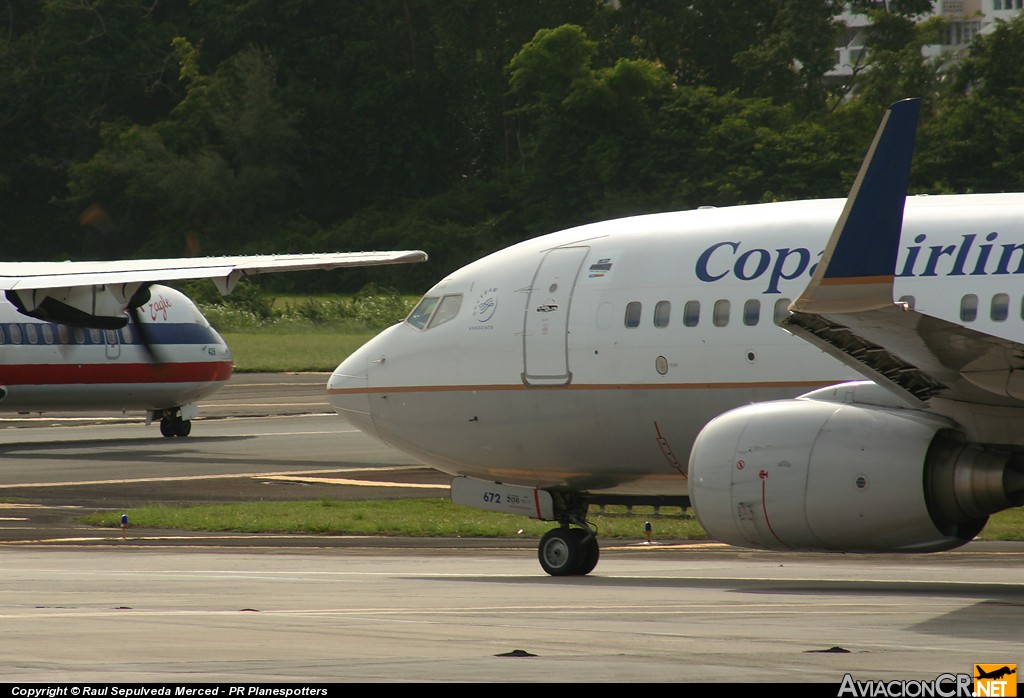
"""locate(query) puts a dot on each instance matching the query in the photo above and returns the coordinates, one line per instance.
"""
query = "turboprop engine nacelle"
(816, 475)
(99, 306)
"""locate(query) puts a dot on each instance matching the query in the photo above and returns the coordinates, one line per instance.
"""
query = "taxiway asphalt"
(80, 605)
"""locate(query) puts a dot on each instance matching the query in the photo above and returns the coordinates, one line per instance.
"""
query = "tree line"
(184, 127)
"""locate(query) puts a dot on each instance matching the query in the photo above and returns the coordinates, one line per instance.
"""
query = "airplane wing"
(848, 311)
(96, 294)
(225, 271)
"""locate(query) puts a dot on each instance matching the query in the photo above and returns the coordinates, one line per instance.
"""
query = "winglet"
(857, 268)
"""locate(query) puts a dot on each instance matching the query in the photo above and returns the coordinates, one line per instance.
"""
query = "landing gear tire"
(560, 552)
(590, 548)
(175, 426)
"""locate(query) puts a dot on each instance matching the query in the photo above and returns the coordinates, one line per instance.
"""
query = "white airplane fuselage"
(588, 360)
(172, 357)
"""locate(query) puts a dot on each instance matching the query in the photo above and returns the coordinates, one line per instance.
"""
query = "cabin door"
(546, 321)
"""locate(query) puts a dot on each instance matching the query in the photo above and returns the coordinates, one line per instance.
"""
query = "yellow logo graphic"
(995, 680)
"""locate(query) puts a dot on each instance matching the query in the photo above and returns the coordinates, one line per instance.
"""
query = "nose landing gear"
(174, 421)
(567, 551)
(175, 426)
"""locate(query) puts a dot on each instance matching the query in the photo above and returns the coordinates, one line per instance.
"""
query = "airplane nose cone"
(347, 392)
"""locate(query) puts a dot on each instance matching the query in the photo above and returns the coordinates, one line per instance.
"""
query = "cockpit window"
(448, 309)
(420, 315)
(433, 311)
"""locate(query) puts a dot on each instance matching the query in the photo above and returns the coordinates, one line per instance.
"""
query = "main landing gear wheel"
(568, 551)
(175, 426)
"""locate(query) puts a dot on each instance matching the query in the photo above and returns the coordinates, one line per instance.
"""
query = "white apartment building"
(966, 18)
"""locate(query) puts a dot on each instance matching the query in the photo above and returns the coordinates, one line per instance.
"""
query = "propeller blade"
(140, 328)
(140, 298)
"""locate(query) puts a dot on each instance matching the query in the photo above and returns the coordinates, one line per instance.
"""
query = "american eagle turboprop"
(89, 335)
(721, 354)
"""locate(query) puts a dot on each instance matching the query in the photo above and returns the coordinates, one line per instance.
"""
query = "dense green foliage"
(214, 126)
(248, 307)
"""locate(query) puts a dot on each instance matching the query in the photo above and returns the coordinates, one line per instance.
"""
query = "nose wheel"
(172, 426)
(568, 551)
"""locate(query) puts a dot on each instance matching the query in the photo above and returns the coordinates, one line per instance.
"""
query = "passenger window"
(633, 309)
(79, 335)
(446, 310)
(720, 316)
(1000, 307)
(15, 334)
(662, 311)
(48, 334)
(781, 310)
(421, 313)
(691, 313)
(63, 334)
(126, 334)
(969, 308)
(30, 334)
(3, 337)
(751, 312)
(95, 336)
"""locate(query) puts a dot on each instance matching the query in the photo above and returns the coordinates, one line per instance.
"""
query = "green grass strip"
(409, 517)
(433, 518)
(293, 349)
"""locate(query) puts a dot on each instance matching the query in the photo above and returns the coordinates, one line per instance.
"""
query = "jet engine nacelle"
(808, 474)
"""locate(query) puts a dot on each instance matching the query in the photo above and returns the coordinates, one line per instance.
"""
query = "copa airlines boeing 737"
(644, 356)
(87, 335)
